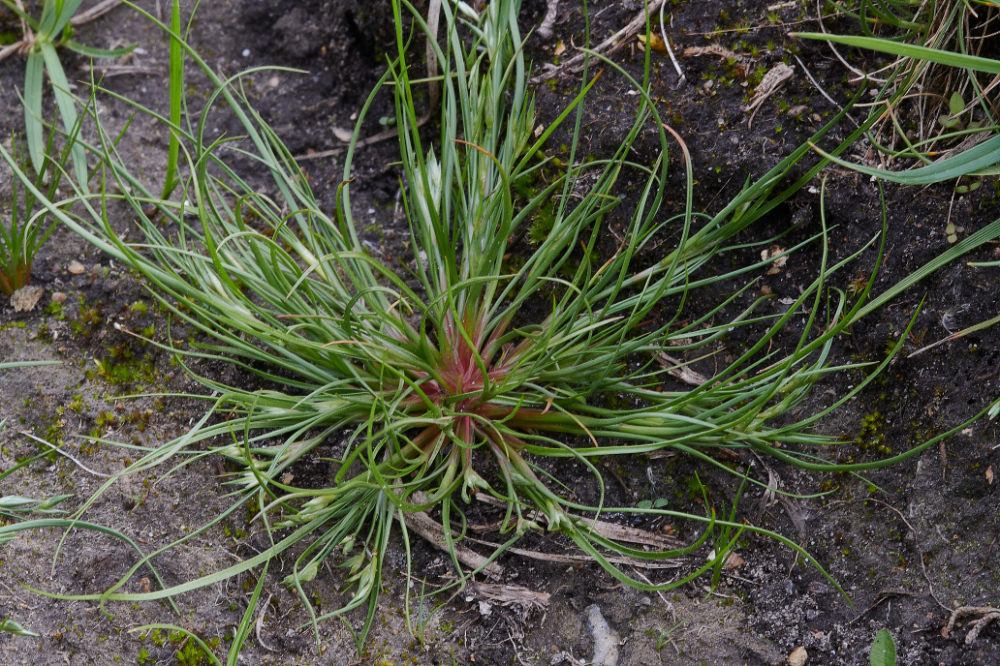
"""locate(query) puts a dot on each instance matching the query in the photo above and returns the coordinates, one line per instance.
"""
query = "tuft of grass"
(41, 38)
(934, 101)
(458, 374)
(25, 233)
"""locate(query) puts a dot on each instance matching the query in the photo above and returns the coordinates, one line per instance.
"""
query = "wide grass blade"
(34, 75)
(978, 160)
(942, 57)
(66, 102)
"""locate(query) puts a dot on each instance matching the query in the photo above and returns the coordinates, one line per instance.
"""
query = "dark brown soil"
(907, 543)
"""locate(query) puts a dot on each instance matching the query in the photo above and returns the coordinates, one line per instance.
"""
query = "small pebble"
(798, 657)
(75, 267)
(605, 639)
(58, 297)
(246, 53)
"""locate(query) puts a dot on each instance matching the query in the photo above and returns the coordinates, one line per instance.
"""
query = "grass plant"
(41, 38)
(935, 99)
(460, 372)
(21, 238)
(939, 66)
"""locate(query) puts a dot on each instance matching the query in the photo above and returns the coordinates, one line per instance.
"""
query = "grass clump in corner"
(24, 231)
(934, 99)
(466, 374)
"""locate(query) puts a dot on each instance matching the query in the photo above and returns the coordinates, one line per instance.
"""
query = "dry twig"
(607, 47)
(433, 532)
(545, 29)
(98, 10)
(507, 595)
(607, 530)
(989, 614)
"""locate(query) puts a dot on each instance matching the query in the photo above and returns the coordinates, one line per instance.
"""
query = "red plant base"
(21, 277)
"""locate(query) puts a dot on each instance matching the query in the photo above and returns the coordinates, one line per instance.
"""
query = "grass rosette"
(24, 234)
(468, 373)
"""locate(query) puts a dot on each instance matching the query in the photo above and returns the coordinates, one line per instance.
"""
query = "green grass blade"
(94, 52)
(67, 110)
(21, 14)
(176, 99)
(969, 162)
(67, 8)
(34, 75)
(26, 364)
(240, 637)
(984, 235)
(50, 14)
(938, 56)
(11, 627)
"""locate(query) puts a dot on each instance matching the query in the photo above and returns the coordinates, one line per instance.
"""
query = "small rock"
(274, 82)
(58, 297)
(797, 111)
(485, 609)
(26, 298)
(76, 268)
(798, 657)
(345, 135)
(605, 640)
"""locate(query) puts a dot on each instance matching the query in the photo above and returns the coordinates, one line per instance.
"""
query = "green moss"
(872, 434)
(122, 368)
(86, 321)
(55, 309)
(188, 652)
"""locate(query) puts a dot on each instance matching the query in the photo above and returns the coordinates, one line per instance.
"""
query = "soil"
(908, 543)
